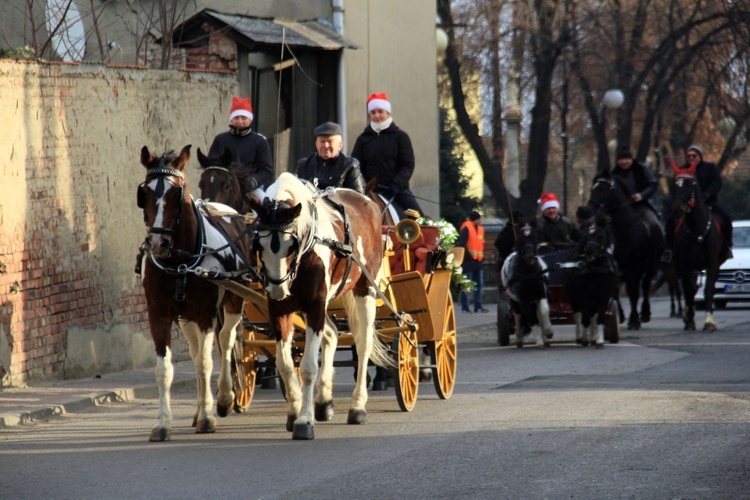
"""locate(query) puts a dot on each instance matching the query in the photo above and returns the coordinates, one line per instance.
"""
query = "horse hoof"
(645, 318)
(290, 422)
(195, 420)
(207, 426)
(303, 432)
(324, 411)
(160, 435)
(585, 343)
(540, 346)
(425, 375)
(709, 327)
(634, 325)
(549, 335)
(223, 410)
(690, 327)
(599, 346)
(547, 344)
(519, 345)
(579, 341)
(356, 417)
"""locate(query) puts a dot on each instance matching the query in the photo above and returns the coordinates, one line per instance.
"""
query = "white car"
(733, 284)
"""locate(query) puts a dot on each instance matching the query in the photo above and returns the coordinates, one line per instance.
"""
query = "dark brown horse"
(221, 180)
(181, 243)
(637, 250)
(698, 246)
(307, 241)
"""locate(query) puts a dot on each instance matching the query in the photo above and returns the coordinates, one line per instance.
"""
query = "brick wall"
(69, 227)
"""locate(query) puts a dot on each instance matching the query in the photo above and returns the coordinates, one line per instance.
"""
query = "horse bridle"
(689, 203)
(164, 172)
(274, 231)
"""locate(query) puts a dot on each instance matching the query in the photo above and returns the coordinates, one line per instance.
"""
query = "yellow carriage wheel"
(406, 351)
(244, 370)
(444, 354)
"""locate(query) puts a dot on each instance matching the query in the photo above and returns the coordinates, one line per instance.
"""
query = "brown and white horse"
(180, 245)
(307, 241)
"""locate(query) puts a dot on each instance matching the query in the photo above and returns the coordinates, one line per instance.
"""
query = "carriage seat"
(420, 252)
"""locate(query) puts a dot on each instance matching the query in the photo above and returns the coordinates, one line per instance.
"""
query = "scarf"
(379, 127)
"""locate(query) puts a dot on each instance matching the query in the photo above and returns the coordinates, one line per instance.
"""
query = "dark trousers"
(404, 199)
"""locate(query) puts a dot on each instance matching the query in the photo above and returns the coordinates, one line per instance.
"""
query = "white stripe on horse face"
(277, 263)
(161, 203)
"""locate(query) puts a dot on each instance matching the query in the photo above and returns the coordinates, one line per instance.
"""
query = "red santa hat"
(548, 200)
(241, 107)
(378, 101)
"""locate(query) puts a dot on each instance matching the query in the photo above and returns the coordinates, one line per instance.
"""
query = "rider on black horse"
(709, 180)
(640, 185)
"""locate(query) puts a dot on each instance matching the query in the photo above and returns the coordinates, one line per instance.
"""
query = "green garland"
(447, 236)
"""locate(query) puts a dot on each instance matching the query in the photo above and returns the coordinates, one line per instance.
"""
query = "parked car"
(733, 284)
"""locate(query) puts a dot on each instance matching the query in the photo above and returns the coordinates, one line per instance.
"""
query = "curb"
(9, 420)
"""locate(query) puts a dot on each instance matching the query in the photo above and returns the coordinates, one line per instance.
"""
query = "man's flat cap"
(327, 128)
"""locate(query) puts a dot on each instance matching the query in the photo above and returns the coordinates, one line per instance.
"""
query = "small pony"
(182, 245)
(523, 276)
(592, 283)
(307, 241)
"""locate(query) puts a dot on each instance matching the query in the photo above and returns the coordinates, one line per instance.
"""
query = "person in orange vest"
(471, 238)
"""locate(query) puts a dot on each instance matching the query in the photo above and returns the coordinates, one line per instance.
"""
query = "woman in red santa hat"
(249, 149)
(554, 228)
(384, 152)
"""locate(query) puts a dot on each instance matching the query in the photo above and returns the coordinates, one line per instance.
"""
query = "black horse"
(593, 283)
(637, 249)
(698, 246)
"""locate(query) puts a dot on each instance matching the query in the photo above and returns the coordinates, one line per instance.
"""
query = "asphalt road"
(662, 414)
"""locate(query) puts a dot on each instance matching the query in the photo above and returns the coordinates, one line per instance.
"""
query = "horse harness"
(198, 256)
(691, 203)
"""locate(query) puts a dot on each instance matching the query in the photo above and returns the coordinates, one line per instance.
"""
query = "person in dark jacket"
(555, 229)
(249, 149)
(329, 167)
(385, 153)
(641, 185)
(709, 180)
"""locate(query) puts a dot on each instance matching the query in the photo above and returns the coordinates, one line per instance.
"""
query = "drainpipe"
(338, 25)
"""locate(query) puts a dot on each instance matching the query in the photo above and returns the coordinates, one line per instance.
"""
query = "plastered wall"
(70, 303)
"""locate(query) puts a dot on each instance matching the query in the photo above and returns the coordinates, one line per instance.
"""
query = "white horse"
(307, 241)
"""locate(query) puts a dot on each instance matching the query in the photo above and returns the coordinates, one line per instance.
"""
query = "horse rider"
(709, 180)
(555, 229)
(385, 152)
(640, 185)
(329, 167)
(249, 149)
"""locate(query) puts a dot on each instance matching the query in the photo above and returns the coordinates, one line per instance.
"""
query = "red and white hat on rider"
(548, 200)
(378, 101)
(241, 107)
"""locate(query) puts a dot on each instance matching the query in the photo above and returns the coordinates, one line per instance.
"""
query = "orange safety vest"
(475, 242)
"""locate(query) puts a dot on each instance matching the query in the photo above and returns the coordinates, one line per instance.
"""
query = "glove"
(253, 184)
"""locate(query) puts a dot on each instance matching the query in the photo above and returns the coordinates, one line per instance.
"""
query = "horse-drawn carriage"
(555, 266)
(315, 268)
(415, 285)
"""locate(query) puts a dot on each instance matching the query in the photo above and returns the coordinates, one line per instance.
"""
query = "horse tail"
(381, 355)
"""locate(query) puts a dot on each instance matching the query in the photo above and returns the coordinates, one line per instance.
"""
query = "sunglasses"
(692, 156)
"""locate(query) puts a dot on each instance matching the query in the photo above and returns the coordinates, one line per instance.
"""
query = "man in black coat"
(709, 180)
(641, 186)
(385, 153)
(249, 149)
(329, 167)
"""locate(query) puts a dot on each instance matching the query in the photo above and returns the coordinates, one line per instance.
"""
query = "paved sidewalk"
(22, 405)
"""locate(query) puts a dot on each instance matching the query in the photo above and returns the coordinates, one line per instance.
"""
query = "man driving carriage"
(555, 229)
(709, 181)
(249, 149)
(329, 167)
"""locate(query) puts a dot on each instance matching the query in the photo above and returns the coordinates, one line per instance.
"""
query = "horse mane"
(293, 190)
